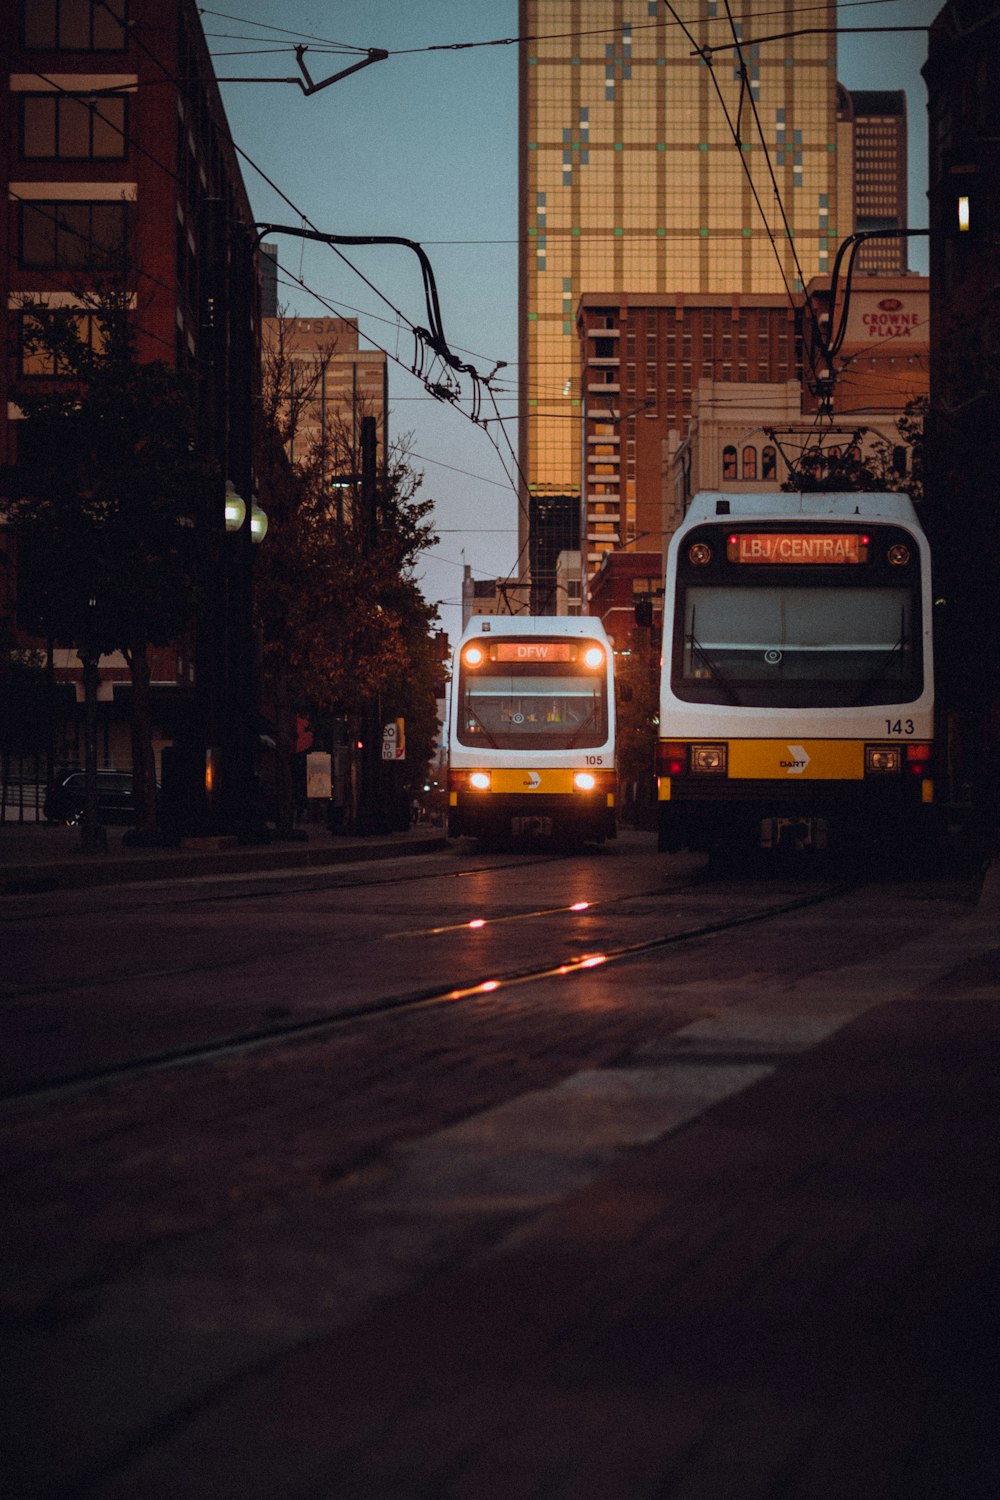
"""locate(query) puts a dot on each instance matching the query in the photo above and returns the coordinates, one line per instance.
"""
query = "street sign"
(319, 774)
(394, 740)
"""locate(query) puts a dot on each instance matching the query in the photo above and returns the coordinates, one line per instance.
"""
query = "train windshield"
(797, 646)
(531, 707)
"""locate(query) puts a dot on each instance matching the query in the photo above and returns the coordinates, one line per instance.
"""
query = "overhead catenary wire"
(135, 144)
(349, 49)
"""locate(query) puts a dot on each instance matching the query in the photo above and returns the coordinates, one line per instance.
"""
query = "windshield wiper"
(590, 718)
(883, 666)
(482, 726)
(730, 692)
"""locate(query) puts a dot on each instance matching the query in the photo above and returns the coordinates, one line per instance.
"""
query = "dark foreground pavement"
(797, 1296)
(793, 1296)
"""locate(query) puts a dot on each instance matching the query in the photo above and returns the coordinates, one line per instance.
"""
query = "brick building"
(114, 142)
(642, 357)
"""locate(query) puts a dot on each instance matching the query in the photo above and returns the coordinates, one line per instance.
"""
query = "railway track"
(463, 988)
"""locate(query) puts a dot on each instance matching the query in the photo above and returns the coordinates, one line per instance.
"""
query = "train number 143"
(899, 726)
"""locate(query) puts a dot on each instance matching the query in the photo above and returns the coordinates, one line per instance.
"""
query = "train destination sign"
(533, 651)
(772, 547)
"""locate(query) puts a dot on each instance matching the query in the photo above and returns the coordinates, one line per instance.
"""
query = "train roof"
(781, 505)
(574, 625)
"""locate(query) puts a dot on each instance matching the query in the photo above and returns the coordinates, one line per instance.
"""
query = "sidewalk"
(35, 857)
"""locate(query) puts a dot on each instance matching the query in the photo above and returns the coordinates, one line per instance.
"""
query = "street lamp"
(236, 508)
(258, 523)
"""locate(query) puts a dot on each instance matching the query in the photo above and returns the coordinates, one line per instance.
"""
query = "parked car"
(66, 795)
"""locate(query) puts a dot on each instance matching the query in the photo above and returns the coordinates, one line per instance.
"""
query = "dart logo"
(798, 763)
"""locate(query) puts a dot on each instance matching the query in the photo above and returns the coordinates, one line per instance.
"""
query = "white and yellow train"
(531, 736)
(796, 700)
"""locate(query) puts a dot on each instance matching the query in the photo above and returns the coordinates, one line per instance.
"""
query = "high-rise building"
(331, 384)
(647, 168)
(642, 356)
(877, 127)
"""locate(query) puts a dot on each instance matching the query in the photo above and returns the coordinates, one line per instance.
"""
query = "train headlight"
(898, 555)
(709, 760)
(700, 554)
(480, 780)
(883, 760)
(584, 781)
(593, 657)
(474, 656)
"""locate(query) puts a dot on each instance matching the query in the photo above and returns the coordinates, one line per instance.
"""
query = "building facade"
(631, 180)
(331, 384)
(877, 147)
(963, 444)
(759, 436)
(114, 150)
(642, 357)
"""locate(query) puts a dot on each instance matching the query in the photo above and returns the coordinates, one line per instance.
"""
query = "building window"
(63, 127)
(73, 25)
(749, 462)
(729, 462)
(769, 463)
(57, 235)
(35, 357)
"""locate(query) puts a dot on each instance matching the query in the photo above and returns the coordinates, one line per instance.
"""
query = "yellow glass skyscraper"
(684, 149)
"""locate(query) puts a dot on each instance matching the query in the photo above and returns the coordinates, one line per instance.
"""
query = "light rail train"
(796, 698)
(531, 738)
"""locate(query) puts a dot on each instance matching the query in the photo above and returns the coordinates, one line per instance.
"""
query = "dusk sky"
(424, 145)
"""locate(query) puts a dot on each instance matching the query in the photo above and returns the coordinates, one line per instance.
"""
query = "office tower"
(636, 176)
(331, 384)
(644, 355)
(877, 122)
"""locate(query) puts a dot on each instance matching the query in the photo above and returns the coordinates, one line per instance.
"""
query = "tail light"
(672, 759)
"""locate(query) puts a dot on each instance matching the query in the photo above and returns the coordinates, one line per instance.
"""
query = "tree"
(852, 469)
(637, 681)
(341, 615)
(109, 484)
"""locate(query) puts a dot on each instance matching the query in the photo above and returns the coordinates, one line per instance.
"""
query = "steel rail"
(54, 1089)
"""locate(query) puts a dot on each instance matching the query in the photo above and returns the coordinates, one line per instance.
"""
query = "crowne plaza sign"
(876, 317)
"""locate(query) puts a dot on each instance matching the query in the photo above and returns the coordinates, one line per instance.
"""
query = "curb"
(35, 879)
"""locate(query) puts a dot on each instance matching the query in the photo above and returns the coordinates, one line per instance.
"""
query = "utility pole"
(372, 816)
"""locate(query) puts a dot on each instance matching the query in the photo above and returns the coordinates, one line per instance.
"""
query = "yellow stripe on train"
(807, 760)
(505, 779)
